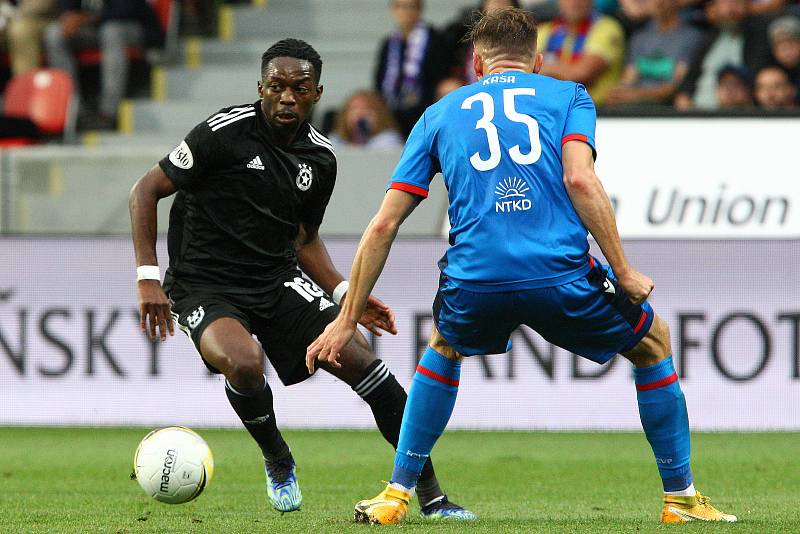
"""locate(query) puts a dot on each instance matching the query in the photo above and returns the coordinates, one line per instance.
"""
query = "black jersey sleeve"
(314, 208)
(193, 158)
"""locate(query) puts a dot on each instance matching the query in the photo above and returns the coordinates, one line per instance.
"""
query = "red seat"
(93, 56)
(11, 142)
(44, 96)
(163, 9)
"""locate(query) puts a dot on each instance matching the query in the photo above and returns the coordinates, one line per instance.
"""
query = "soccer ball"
(173, 464)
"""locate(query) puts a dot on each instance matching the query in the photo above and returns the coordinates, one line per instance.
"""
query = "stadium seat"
(164, 10)
(45, 96)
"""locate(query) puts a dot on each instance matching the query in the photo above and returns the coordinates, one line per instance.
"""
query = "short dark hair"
(295, 48)
(514, 3)
(735, 70)
(509, 31)
(420, 4)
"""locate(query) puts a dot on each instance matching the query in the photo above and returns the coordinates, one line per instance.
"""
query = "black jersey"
(241, 200)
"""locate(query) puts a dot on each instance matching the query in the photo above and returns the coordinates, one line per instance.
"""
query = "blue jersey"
(497, 142)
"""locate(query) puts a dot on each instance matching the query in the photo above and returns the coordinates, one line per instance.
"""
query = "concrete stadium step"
(436, 11)
(223, 72)
(297, 19)
(233, 83)
(205, 53)
(158, 143)
(236, 84)
(171, 119)
(365, 19)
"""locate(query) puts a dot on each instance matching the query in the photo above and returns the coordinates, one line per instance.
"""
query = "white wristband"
(339, 291)
(148, 272)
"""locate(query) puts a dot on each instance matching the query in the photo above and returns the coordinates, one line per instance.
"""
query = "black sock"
(254, 408)
(387, 399)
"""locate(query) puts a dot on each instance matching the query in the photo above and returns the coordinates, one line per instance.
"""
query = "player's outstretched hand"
(637, 285)
(154, 304)
(378, 316)
(327, 346)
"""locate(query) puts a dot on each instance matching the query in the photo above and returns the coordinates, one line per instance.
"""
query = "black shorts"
(285, 321)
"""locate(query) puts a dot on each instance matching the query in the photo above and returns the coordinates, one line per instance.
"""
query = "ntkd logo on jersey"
(304, 177)
(512, 195)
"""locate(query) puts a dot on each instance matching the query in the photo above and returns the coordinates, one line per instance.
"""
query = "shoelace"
(280, 470)
(443, 504)
(702, 500)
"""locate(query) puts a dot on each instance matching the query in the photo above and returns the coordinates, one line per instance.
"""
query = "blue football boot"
(283, 491)
(443, 509)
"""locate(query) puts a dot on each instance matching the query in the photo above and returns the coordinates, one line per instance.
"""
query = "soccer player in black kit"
(252, 184)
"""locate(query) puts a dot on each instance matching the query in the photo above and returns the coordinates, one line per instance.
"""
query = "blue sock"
(662, 409)
(430, 402)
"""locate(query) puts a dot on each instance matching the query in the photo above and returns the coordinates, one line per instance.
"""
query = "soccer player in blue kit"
(516, 150)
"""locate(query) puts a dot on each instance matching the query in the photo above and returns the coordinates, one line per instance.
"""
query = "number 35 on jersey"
(486, 123)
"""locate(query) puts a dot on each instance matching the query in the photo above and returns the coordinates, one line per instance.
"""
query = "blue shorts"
(591, 316)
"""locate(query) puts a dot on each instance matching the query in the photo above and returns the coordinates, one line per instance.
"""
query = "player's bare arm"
(314, 260)
(594, 208)
(367, 267)
(586, 70)
(153, 302)
(627, 92)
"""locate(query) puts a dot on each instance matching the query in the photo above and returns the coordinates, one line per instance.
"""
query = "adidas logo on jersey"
(256, 163)
(324, 304)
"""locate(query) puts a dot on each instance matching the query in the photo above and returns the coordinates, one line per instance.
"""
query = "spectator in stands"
(198, 17)
(24, 31)
(111, 25)
(410, 64)
(459, 52)
(634, 12)
(774, 91)
(583, 46)
(784, 38)
(658, 57)
(765, 7)
(366, 121)
(734, 40)
(734, 88)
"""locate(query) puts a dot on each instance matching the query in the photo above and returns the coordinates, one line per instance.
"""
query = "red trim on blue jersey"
(658, 383)
(575, 137)
(436, 376)
(591, 262)
(641, 322)
(408, 188)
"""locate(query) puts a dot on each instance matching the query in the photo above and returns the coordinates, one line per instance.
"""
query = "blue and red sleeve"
(581, 119)
(416, 168)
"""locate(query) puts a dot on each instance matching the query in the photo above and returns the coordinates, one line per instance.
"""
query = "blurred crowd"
(112, 35)
(702, 55)
(67, 33)
(685, 55)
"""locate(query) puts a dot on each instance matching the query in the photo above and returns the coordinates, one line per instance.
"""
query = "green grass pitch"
(77, 481)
